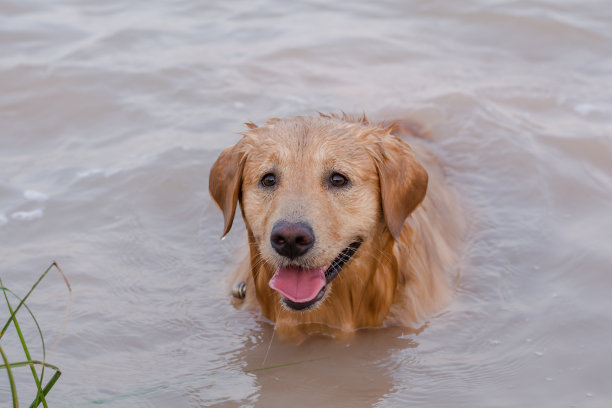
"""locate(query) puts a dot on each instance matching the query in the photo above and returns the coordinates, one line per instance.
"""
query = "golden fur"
(398, 203)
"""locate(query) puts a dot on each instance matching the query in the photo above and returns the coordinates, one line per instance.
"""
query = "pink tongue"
(298, 284)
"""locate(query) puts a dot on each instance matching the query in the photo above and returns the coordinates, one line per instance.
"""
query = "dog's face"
(309, 201)
(312, 190)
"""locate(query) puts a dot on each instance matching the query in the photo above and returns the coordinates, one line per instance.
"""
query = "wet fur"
(398, 203)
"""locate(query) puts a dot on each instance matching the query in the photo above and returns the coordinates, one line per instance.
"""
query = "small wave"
(585, 109)
(34, 195)
(95, 172)
(26, 215)
(3, 220)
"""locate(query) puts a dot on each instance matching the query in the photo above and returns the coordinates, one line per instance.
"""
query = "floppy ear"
(403, 182)
(225, 182)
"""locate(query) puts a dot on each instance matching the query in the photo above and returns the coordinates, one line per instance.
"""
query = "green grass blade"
(29, 362)
(46, 390)
(8, 322)
(41, 394)
(11, 379)
(37, 327)
(42, 391)
(25, 346)
(47, 387)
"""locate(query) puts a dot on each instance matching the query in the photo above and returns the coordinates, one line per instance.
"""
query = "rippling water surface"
(111, 114)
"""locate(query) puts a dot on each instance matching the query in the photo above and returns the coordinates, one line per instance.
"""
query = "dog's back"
(428, 250)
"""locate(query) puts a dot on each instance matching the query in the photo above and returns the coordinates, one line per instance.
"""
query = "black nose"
(292, 239)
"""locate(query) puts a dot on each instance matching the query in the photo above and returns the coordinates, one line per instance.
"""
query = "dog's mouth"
(302, 288)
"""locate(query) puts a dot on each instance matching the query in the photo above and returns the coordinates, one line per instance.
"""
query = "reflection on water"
(320, 372)
(111, 115)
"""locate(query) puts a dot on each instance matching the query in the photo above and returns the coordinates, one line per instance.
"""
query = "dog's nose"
(292, 239)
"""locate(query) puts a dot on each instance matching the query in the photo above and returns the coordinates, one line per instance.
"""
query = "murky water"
(111, 114)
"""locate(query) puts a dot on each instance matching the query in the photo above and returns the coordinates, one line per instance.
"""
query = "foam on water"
(34, 195)
(27, 215)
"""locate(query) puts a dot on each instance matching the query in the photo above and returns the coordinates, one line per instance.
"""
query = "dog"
(350, 224)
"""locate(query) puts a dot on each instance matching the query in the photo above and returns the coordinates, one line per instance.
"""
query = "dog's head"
(312, 190)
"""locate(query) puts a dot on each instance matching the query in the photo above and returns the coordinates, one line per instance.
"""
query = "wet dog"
(350, 224)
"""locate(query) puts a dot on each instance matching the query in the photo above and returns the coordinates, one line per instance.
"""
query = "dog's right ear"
(225, 182)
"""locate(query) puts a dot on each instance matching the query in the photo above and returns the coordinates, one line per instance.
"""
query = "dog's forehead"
(322, 142)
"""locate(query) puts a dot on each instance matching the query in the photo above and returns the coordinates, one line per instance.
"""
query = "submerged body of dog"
(348, 225)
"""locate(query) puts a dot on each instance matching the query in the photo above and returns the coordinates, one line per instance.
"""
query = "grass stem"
(41, 391)
(11, 379)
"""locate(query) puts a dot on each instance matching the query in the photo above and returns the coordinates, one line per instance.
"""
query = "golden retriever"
(348, 224)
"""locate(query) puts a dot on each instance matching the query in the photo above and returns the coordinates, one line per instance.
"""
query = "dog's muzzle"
(302, 288)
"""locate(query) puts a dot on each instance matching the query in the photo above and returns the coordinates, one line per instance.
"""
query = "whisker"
(269, 346)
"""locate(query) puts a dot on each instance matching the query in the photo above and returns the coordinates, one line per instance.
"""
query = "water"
(112, 113)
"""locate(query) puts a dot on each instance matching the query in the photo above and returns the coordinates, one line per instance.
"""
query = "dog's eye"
(338, 180)
(269, 180)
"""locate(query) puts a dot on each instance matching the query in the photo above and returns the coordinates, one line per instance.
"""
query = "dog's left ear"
(403, 182)
(225, 182)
